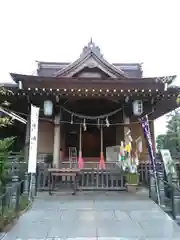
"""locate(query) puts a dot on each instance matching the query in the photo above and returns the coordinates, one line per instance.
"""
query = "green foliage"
(162, 142)
(4, 121)
(171, 140)
(6, 143)
(5, 146)
(4, 91)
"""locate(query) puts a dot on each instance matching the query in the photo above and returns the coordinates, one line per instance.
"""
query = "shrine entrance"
(91, 142)
(87, 113)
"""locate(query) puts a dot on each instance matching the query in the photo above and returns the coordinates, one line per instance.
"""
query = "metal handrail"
(172, 190)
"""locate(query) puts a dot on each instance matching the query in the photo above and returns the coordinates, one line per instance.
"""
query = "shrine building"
(78, 99)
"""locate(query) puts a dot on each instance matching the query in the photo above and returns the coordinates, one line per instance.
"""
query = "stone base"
(132, 188)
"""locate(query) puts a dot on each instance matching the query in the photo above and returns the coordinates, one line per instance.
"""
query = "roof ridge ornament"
(91, 43)
(92, 47)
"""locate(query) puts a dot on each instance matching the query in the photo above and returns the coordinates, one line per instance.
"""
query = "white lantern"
(138, 107)
(48, 108)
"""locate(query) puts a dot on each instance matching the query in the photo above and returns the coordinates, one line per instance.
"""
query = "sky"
(144, 31)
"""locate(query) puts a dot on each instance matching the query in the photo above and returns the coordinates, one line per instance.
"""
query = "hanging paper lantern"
(48, 108)
(138, 107)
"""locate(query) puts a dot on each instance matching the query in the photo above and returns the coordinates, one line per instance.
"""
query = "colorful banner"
(33, 139)
(147, 135)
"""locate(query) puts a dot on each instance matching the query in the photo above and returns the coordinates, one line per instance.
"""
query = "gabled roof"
(91, 57)
(47, 69)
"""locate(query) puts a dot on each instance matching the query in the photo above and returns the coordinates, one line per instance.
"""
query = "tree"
(173, 131)
(5, 146)
(6, 143)
(171, 140)
(4, 121)
(161, 142)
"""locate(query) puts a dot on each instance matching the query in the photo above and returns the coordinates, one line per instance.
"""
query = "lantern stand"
(80, 159)
(101, 163)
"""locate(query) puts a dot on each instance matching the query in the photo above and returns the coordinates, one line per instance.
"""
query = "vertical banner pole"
(147, 134)
(32, 163)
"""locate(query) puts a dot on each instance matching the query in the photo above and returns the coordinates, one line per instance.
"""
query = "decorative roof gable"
(91, 58)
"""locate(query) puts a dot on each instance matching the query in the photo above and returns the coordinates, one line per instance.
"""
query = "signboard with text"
(33, 139)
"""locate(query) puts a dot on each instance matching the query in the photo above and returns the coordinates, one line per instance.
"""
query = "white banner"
(33, 139)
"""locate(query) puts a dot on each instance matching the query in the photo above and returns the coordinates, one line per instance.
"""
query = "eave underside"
(88, 83)
(162, 101)
(30, 78)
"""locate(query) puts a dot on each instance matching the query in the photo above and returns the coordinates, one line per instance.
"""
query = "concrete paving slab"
(94, 215)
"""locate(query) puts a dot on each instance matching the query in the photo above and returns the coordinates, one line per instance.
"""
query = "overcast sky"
(126, 31)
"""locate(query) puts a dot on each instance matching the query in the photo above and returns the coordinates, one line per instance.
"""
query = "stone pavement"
(94, 215)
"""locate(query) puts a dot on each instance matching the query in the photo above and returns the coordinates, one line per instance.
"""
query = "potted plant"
(132, 181)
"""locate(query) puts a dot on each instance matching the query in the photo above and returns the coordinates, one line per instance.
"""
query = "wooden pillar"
(57, 141)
